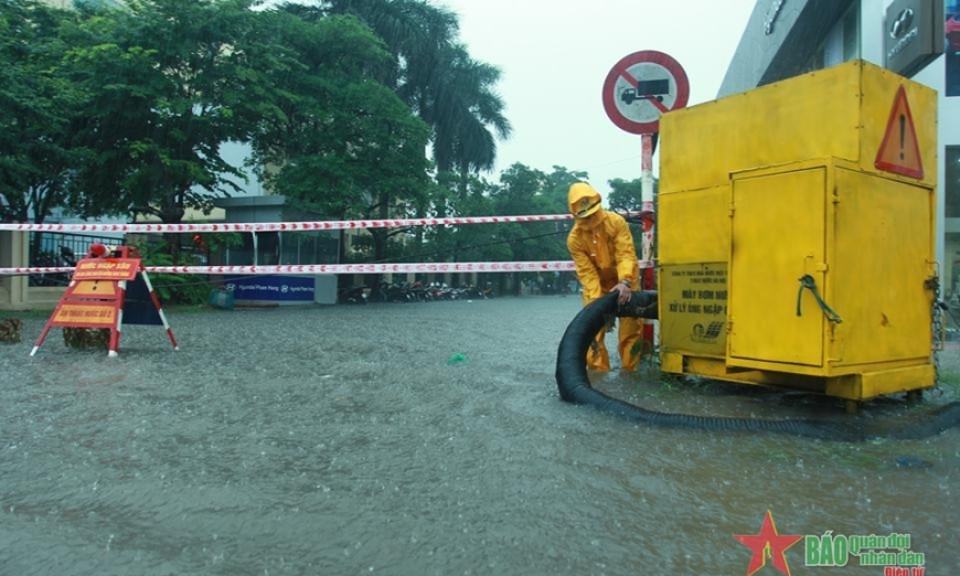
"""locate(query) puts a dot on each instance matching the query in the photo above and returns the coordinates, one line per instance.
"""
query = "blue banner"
(272, 289)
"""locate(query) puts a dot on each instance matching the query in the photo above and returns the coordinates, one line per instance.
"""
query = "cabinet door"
(884, 249)
(778, 237)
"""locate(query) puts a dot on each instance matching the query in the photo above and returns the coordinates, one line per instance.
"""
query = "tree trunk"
(464, 179)
(172, 212)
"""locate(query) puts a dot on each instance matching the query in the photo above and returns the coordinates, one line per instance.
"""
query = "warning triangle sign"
(899, 151)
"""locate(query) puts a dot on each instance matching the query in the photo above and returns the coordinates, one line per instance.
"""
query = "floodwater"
(341, 441)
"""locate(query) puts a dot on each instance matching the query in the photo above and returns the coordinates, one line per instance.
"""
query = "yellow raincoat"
(602, 249)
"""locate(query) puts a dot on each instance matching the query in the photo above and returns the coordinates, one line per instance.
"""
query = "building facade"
(919, 39)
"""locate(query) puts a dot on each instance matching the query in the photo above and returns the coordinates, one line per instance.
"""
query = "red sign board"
(93, 303)
(643, 86)
(88, 315)
(107, 269)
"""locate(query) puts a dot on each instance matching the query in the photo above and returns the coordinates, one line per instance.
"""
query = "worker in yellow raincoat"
(602, 249)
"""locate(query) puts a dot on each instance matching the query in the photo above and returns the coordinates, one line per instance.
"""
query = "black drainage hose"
(574, 387)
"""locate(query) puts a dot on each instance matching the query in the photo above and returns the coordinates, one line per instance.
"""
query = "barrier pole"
(156, 304)
(647, 270)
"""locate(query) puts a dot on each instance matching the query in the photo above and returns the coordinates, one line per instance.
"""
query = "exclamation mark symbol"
(903, 129)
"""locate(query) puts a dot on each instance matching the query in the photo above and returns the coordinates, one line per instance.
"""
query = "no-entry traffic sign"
(643, 86)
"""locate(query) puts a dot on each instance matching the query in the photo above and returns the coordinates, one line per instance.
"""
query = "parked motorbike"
(353, 295)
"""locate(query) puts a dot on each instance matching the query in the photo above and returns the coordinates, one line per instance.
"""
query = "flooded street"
(349, 440)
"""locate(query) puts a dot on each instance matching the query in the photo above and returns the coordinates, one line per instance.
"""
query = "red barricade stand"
(96, 295)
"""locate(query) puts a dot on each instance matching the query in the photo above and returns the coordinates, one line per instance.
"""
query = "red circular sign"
(641, 87)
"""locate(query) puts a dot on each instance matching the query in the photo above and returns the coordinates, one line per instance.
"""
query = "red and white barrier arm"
(35, 270)
(284, 226)
(280, 226)
(388, 268)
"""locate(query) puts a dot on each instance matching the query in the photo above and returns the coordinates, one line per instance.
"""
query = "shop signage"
(912, 35)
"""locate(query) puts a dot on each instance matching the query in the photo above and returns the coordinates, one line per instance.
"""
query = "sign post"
(639, 89)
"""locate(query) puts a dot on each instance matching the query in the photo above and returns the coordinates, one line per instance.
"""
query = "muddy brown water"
(342, 440)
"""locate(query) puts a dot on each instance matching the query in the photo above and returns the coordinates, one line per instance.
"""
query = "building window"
(286, 248)
(951, 182)
(952, 49)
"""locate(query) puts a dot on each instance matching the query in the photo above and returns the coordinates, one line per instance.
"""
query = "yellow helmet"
(583, 200)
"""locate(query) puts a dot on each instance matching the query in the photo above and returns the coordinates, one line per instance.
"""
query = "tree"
(465, 243)
(416, 33)
(345, 144)
(522, 190)
(463, 109)
(435, 75)
(37, 107)
(625, 195)
(170, 82)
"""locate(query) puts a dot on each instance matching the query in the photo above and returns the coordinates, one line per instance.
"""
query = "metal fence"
(51, 249)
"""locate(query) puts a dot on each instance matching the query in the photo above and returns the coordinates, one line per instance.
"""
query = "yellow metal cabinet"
(796, 235)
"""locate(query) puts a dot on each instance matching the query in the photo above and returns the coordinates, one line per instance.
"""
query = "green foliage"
(348, 146)
(521, 190)
(462, 111)
(173, 288)
(436, 77)
(524, 190)
(169, 82)
(38, 109)
(123, 112)
(626, 195)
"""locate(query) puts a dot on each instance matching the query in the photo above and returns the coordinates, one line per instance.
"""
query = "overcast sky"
(554, 56)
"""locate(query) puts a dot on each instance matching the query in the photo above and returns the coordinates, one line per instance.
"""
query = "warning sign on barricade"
(97, 296)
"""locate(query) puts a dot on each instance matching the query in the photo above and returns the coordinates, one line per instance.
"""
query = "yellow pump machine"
(796, 235)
